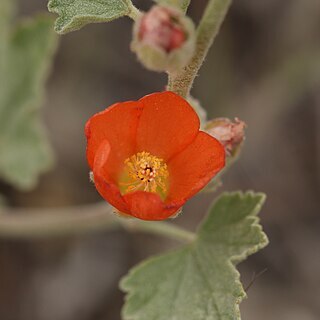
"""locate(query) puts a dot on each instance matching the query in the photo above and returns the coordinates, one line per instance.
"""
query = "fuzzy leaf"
(199, 281)
(74, 14)
(24, 150)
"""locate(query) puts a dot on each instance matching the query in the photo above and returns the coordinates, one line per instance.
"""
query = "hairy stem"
(181, 82)
(134, 13)
(48, 222)
(43, 223)
(161, 228)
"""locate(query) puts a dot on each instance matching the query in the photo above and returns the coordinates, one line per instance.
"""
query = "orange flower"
(148, 157)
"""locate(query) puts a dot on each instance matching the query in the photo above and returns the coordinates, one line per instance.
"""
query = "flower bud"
(230, 134)
(164, 39)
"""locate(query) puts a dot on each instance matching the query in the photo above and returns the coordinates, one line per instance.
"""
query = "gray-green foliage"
(199, 281)
(74, 14)
(26, 52)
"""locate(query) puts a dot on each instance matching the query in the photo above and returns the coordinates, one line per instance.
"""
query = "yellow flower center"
(144, 172)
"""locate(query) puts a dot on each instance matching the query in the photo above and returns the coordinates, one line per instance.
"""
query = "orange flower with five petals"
(148, 157)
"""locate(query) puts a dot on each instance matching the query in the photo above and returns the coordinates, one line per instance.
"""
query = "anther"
(150, 175)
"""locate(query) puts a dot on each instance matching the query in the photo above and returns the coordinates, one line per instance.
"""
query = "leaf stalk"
(134, 13)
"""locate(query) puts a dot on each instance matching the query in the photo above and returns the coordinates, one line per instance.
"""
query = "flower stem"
(25, 223)
(166, 229)
(44, 223)
(181, 82)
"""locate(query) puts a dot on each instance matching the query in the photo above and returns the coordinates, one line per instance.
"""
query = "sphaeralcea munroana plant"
(148, 157)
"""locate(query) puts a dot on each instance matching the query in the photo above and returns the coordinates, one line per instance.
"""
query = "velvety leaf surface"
(26, 54)
(199, 281)
(74, 14)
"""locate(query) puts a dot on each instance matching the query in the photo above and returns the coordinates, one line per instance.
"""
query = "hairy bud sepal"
(230, 134)
(164, 39)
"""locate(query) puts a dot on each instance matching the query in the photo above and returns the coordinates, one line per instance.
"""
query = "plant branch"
(48, 222)
(160, 228)
(24, 223)
(181, 82)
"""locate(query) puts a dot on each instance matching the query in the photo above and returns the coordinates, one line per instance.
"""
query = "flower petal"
(148, 206)
(117, 124)
(103, 182)
(194, 167)
(167, 125)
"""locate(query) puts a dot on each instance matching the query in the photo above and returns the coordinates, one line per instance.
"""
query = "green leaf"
(199, 281)
(74, 14)
(24, 149)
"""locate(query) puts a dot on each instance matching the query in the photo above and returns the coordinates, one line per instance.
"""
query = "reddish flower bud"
(159, 27)
(230, 134)
(164, 39)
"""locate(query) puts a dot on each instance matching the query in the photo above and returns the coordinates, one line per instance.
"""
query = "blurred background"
(265, 69)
